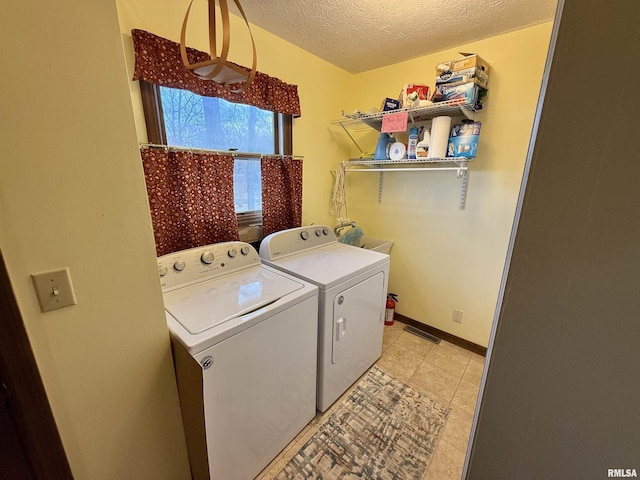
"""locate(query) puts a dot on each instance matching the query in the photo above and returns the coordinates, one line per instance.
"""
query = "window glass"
(247, 185)
(213, 123)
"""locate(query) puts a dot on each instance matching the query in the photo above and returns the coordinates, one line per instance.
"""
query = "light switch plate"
(54, 289)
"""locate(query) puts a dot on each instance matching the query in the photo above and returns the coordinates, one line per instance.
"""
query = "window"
(183, 119)
(215, 124)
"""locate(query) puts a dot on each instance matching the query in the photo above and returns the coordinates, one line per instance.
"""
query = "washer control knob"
(318, 232)
(325, 230)
(179, 266)
(244, 250)
(232, 252)
(207, 257)
(162, 270)
(304, 235)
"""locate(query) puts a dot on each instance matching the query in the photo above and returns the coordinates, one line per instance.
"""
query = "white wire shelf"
(460, 165)
(360, 121)
(420, 163)
(450, 108)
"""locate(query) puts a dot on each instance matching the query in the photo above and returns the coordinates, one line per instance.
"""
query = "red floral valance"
(158, 61)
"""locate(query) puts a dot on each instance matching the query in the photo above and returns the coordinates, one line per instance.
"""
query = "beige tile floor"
(444, 372)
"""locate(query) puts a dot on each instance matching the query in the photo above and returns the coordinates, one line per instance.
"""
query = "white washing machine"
(353, 289)
(244, 339)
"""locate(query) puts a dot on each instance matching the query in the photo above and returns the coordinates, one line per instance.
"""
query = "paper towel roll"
(440, 127)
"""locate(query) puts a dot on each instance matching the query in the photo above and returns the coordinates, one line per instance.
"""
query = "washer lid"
(207, 304)
(331, 264)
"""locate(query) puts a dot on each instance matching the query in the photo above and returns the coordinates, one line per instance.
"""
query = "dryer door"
(358, 324)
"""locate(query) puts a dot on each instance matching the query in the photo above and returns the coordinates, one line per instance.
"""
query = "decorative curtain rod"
(233, 153)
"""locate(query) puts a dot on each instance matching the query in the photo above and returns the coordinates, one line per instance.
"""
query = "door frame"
(33, 416)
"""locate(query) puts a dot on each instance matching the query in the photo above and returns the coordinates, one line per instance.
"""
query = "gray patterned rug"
(383, 430)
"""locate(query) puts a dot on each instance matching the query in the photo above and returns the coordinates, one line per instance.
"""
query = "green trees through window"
(213, 123)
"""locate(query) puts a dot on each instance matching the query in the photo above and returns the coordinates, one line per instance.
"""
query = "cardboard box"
(463, 140)
(463, 76)
(470, 60)
(470, 68)
(470, 94)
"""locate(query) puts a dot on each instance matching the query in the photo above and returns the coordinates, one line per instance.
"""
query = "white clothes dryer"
(353, 289)
(244, 339)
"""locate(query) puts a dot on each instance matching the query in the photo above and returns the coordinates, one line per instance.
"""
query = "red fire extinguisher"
(392, 298)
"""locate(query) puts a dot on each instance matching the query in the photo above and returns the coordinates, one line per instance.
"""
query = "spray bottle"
(422, 149)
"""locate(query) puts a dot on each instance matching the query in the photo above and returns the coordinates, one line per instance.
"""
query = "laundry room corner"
(445, 258)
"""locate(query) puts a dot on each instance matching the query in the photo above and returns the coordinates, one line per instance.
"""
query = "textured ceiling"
(359, 35)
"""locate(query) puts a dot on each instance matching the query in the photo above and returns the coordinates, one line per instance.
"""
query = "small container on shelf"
(412, 144)
(422, 149)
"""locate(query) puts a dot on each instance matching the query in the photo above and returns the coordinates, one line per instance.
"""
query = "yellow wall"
(72, 195)
(444, 258)
(321, 86)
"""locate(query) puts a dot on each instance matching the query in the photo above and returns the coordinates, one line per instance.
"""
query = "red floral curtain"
(281, 193)
(158, 61)
(191, 198)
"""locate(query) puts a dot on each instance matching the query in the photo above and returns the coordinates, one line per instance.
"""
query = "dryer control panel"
(203, 263)
(295, 240)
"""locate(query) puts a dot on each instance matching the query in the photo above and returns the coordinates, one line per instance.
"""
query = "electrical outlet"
(457, 316)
